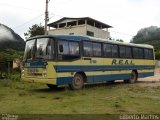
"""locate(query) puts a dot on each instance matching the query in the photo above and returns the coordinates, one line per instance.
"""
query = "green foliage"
(149, 35)
(157, 55)
(16, 97)
(35, 30)
(10, 55)
(6, 59)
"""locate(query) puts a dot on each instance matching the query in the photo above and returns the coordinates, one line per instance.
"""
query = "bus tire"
(133, 77)
(53, 87)
(77, 82)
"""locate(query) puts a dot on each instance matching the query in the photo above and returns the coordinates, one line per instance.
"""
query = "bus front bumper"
(40, 80)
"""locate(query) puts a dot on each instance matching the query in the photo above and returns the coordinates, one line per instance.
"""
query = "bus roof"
(81, 38)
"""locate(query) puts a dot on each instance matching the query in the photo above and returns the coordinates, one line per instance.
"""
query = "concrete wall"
(98, 32)
(80, 30)
(77, 30)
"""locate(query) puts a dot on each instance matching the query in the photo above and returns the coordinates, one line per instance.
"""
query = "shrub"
(157, 55)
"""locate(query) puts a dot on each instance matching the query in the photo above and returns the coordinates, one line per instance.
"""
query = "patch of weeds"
(19, 87)
(136, 103)
(6, 83)
(69, 93)
(22, 93)
(42, 97)
(2, 96)
(64, 106)
(123, 100)
(137, 89)
(117, 105)
(74, 111)
(57, 98)
(121, 110)
(83, 92)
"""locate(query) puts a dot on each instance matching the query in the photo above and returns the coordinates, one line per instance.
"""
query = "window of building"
(71, 33)
(81, 22)
(62, 25)
(89, 33)
(90, 23)
(74, 23)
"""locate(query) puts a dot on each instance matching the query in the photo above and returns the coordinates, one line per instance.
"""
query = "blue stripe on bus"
(78, 68)
(102, 78)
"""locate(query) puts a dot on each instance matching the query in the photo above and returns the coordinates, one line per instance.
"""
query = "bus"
(72, 60)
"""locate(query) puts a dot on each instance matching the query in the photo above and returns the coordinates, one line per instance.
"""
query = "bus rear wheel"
(77, 82)
(133, 78)
(53, 87)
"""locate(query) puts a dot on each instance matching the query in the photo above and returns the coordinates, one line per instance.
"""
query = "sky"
(125, 16)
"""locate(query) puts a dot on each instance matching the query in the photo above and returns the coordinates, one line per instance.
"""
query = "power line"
(18, 26)
(121, 33)
(21, 25)
(28, 21)
(15, 6)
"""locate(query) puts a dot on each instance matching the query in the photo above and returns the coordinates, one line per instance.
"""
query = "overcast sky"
(126, 16)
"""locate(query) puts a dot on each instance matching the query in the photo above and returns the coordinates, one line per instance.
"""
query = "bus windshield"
(38, 49)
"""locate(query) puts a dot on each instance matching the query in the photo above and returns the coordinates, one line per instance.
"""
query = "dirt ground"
(152, 80)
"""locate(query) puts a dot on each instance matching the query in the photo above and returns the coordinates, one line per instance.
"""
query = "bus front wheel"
(77, 82)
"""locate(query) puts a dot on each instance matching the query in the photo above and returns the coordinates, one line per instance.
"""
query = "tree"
(10, 55)
(35, 30)
(149, 35)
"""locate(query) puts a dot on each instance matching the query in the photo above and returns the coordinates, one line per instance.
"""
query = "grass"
(18, 97)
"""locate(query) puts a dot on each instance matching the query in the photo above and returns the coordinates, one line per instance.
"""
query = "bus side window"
(74, 48)
(135, 52)
(63, 47)
(138, 53)
(87, 49)
(107, 48)
(148, 54)
(114, 51)
(97, 50)
(122, 51)
(151, 54)
(128, 52)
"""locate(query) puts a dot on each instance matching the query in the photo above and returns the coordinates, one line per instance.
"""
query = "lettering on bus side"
(122, 62)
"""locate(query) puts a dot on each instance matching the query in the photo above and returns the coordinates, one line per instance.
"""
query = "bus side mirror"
(61, 48)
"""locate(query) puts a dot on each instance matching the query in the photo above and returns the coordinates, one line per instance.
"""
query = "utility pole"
(46, 17)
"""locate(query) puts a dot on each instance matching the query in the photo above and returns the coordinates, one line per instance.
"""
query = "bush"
(157, 55)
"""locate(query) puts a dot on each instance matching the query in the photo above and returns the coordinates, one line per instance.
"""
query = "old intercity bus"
(75, 60)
